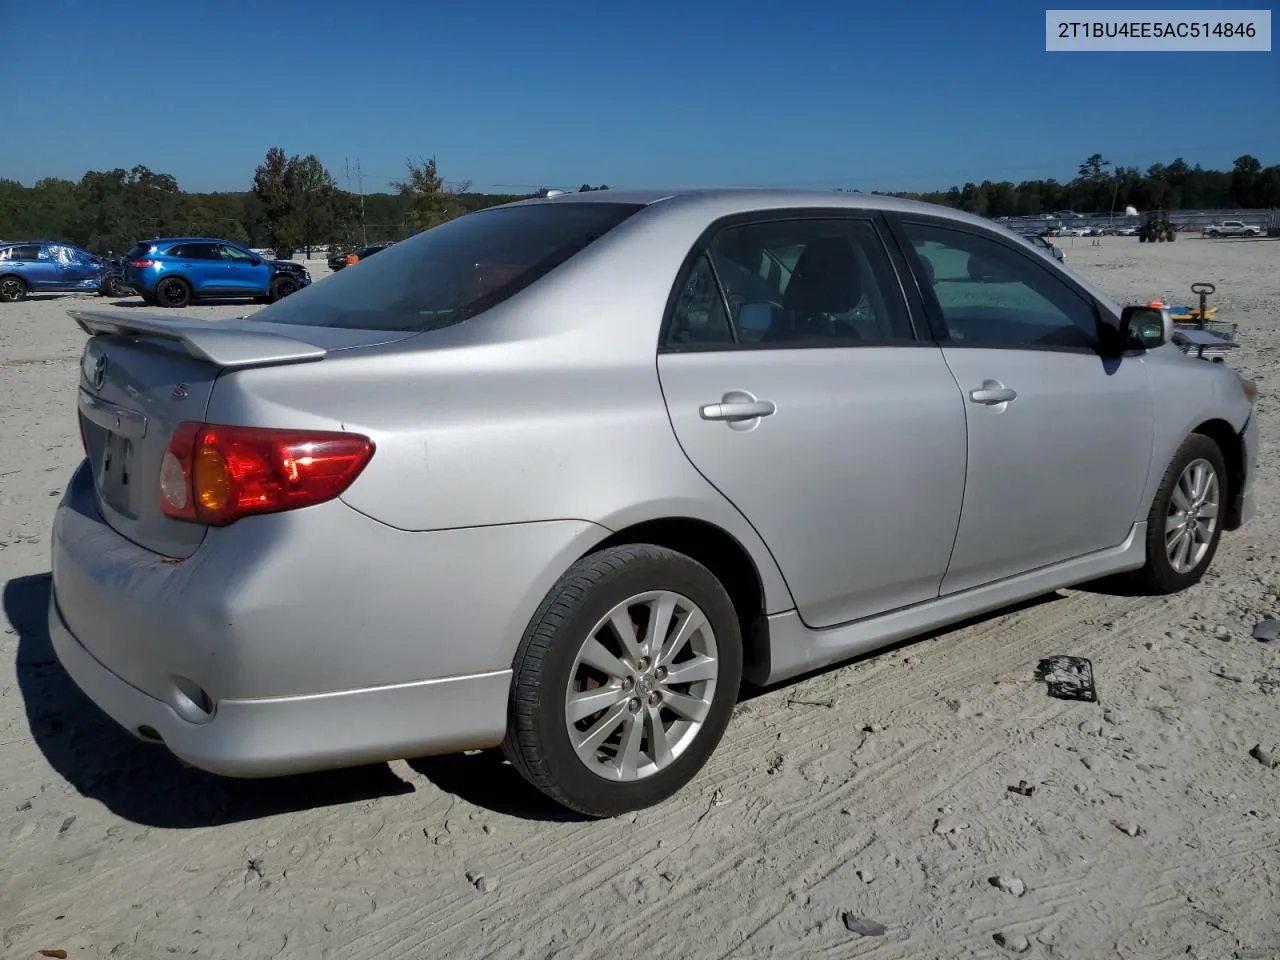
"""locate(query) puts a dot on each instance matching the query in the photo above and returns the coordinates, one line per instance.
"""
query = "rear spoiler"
(203, 339)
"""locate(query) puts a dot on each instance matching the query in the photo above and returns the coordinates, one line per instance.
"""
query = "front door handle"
(737, 410)
(993, 392)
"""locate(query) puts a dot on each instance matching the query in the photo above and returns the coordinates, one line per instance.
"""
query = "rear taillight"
(141, 264)
(351, 258)
(215, 475)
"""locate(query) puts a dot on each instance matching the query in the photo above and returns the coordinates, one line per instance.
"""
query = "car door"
(201, 263)
(246, 273)
(1060, 433)
(78, 268)
(797, 385)
(32, 262)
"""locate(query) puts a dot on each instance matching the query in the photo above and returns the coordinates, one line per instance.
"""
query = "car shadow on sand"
(142, 782)
(145, 784)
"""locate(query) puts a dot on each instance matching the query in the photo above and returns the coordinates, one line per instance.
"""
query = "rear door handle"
(738, 410)
(993, 392)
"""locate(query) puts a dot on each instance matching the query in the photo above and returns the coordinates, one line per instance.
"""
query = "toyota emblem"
(94, 365)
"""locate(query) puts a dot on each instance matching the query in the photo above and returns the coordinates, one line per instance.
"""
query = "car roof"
(725, 201)
(192, 240)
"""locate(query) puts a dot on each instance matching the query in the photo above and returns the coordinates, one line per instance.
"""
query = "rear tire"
(1184, 525)
(658, 705)
(12, 289)
(173, 292)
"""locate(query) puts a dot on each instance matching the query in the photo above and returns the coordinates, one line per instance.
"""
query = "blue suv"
(44, 266)
(173, 271)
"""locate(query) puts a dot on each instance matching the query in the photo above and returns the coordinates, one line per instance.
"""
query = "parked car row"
(167, 272)
(339, 260)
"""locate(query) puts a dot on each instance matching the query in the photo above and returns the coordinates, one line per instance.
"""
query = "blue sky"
(513, 95)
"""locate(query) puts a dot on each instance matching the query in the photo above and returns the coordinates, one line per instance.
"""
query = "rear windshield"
(139, 250)
(451, 272)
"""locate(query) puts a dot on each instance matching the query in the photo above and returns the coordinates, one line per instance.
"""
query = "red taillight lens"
(217, 474)
(142, 264)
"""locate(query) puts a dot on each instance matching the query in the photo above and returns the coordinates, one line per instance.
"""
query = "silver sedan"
(559, 475)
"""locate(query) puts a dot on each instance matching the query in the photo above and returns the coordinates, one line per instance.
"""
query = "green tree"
(275, 186)
(431, 203)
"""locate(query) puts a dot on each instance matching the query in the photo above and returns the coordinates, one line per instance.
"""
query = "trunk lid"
(142, 375)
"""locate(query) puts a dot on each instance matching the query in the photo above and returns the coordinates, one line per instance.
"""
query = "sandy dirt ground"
(879, 789)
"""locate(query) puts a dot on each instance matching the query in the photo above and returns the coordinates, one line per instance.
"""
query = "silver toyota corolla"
(560, 474)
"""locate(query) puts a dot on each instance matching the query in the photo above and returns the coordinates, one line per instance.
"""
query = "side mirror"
(1142, 327)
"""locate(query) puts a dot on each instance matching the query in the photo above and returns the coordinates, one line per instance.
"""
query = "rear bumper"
(284, 735)
(302, 640)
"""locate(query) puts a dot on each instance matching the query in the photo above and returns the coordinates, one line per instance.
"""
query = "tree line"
(1101, 188)
(294, 202)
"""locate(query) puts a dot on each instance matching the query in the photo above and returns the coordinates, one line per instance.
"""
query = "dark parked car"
(174, 271)
(338, 261)
(1038, 241)
(47, 266)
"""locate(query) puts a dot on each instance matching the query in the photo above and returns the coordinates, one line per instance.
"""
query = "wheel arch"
(1231, 444)
(727, 559)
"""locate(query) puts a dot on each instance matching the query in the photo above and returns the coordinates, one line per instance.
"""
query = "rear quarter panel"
(547, 407)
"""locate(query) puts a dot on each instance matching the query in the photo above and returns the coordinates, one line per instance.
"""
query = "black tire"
(1159, 576)
(282, 286)
(173, 292)
(149, 300)
(12, 289)
(537, 741)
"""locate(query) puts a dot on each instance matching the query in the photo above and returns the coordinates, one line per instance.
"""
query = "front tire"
(624, 681)
(282, 286)
(173, 292)
(1184, 525)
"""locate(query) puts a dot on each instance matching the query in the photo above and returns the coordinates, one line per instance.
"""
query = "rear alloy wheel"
(625, 680)
(172, 292)
(1185, 522)
(282, 286)
(12, 289)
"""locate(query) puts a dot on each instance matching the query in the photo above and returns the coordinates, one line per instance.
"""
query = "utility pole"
(364, 233)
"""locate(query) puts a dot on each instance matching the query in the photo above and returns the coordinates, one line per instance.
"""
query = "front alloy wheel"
(12, 289)
(1184, 525)
(1192, 519)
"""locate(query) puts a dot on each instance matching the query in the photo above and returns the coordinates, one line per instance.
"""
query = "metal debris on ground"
(1264, 756)
(1267, 630)
(1022, 788)
(862, 926)
(1068, 678)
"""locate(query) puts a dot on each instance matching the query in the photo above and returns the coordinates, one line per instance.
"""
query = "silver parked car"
(558, 475)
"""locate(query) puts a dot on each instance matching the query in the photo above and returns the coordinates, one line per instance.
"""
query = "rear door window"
(454, 271)
(822, 282)
(21, 251)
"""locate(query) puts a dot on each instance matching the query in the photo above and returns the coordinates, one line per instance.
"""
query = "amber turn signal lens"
(212, 480)
(1249, 387)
